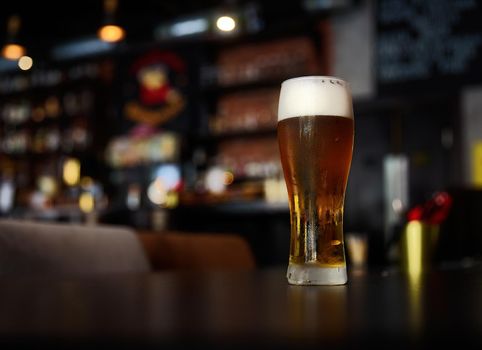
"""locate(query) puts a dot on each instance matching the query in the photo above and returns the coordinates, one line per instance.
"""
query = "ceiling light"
(13, 50)
(189, 27)
(111, 33)
(226, 23)
(183, 27)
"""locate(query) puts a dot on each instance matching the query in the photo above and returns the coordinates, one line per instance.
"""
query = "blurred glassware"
(52, 107)
(419, 238)
(276, 59)
(250, 158)
(16, 113)
(275, 190)
(417, 246)
(133, 198)
(16, 142)
(357, 248)
(246, 111)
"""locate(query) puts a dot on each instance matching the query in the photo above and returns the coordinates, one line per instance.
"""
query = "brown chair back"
(66, 249)
(197, 251)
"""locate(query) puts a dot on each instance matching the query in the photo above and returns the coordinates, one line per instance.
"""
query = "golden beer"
(316, 143)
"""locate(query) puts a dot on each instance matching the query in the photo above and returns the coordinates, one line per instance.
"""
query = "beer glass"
(315, 136)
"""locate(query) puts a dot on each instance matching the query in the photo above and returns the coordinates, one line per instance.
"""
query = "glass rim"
(316, 77)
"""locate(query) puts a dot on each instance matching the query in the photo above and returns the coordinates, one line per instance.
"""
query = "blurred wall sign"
(156, 98)
(477, 164)
(428, 44)
(471, 129)
(126, 151)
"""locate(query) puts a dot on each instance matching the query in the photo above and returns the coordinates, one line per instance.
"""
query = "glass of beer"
(315, 136)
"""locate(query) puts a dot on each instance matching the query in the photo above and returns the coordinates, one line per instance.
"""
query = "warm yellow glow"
(110, 6)
(415, 302)
(47, 185)
(477, 164)
(71, 172)
(13, 51)
(25, 62)
(86, 182)
(226, 23)
(111, 33)
(152, 78)
(228, 178)
(86, 202)
(414, 236)
(172, 199)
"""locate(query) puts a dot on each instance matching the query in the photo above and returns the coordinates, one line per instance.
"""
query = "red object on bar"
(415, 213)
(434, 211)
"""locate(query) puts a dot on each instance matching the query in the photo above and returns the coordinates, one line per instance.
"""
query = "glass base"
(312, 274)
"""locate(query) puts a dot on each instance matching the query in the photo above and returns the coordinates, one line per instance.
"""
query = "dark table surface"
(381, 308)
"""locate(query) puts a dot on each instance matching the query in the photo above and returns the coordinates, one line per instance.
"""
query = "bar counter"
(383, 308)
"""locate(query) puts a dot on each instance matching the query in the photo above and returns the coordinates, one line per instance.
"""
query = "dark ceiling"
(46, 23)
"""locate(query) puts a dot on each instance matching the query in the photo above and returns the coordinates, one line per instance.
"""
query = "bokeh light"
(226, 23)
(111, 33)
(25, 62)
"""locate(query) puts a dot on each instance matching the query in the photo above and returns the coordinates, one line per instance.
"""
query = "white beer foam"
(314, 95)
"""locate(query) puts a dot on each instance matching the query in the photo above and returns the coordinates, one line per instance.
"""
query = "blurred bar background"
(162, 115)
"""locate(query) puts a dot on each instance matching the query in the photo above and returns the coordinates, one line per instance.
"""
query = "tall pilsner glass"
(315, 135)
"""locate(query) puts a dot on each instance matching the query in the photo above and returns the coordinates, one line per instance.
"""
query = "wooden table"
(257, 309)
